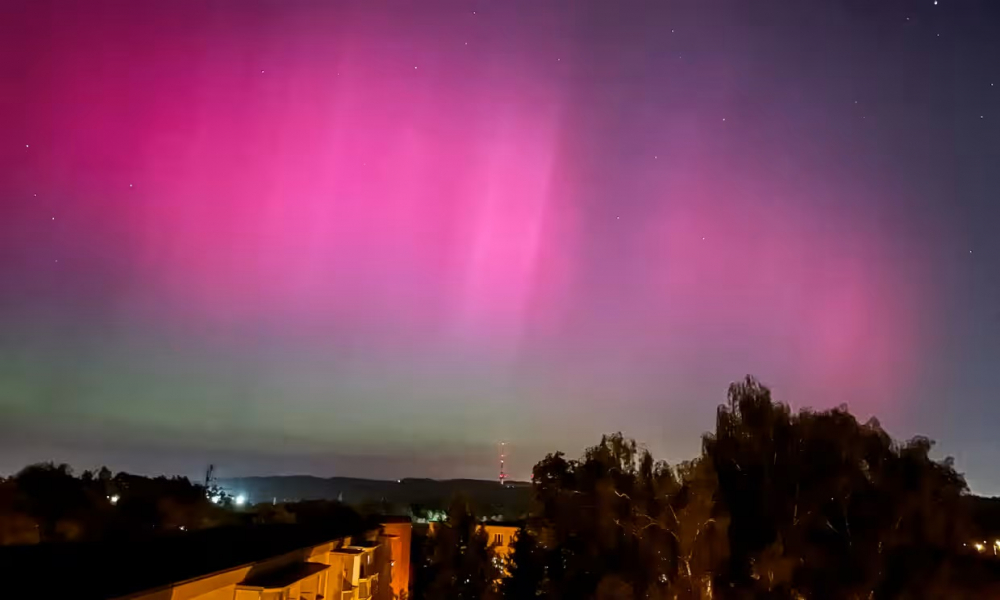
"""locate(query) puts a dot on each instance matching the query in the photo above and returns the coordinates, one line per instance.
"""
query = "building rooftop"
(285, 577)
(127, 566)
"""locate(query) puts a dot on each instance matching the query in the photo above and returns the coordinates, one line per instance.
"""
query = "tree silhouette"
(525, 567)
(611, 522)
(457, 563)
(778, 505)
(822, 506)
(58, 501)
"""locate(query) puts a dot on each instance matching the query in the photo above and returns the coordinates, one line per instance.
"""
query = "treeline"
(778, 505)
(48, 503)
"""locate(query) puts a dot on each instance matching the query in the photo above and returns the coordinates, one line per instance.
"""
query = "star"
(130, 185)
(414, 68)
(53, 218)
(25, 145)
(935, 2)
(723, 118)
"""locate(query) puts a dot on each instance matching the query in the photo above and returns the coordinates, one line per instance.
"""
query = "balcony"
(367, 586)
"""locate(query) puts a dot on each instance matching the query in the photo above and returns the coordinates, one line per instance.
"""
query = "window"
(498, 539)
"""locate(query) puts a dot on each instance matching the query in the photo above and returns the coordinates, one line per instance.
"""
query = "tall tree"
(457, 561)
(610, 522)
(823, 506)
(525, 568)
(56, 500)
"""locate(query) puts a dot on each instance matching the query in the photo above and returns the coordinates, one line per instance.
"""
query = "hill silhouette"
(397, 496)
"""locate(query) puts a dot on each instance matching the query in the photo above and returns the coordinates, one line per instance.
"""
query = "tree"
(610, 520)
(158, 504)
(55, 499)
(456, 561)
(822, 506)
(525, 567)
(778, 505)
(703, 542)
(17, 526)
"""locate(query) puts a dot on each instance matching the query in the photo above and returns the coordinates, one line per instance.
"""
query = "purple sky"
(376, 238)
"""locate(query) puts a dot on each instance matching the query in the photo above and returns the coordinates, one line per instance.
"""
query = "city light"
(978, 547)
(113, 499)
(241, 500)
(216, 499)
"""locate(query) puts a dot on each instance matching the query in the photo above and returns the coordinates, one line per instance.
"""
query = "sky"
(377, 238)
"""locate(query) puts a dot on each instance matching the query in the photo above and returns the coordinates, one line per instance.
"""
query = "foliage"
(47, 503)
(778, 505)
(455, 561)
(525, 576)
(821, 505)
(613, 524)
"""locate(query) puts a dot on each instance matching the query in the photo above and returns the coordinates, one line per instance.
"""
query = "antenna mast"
(503, 453)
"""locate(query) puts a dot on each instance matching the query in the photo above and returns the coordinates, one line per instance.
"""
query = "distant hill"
(398, 496)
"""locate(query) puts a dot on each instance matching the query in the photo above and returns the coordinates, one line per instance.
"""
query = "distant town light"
(216, 499)
(978, 547)
(113, 498)
(241, 500)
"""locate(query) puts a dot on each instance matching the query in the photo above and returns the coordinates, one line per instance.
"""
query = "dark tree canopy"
(778, 505)
(48, 503)
(456, 560)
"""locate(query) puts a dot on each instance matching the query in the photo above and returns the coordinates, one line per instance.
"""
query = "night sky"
(376, 238)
